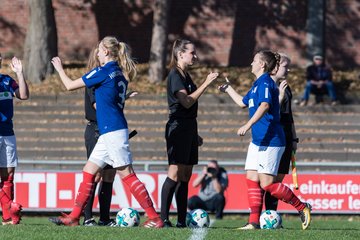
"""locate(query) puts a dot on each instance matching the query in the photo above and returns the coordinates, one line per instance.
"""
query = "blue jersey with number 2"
(110, 90)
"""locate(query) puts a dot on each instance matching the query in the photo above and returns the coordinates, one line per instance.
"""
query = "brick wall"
(226, 32)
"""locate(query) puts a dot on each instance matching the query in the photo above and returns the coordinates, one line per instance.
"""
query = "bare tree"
(159, 41)
(41, 41)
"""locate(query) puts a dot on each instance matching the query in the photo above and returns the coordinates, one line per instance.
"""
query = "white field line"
(200, 233)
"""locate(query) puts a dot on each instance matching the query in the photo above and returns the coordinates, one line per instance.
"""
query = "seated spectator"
(213, 181)
(319, 78)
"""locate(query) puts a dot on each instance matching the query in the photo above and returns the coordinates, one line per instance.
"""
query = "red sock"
(137, 188)
(8, 185)
(5, 201)
(255, 198)
(84, 192)
(283, 193)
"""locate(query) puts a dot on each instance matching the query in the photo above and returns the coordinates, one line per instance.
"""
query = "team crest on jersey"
(6, 81)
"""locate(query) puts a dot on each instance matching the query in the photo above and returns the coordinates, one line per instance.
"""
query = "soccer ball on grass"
(198, 218)
(128, 217)
(270, 219)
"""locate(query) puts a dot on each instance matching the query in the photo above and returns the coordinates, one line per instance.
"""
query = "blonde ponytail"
(122, 53)
(126, 63)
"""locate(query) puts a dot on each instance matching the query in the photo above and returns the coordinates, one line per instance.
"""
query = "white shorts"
(112, 148)
(8, 154)
(264, 159)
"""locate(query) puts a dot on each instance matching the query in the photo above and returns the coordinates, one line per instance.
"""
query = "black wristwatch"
(296, 140)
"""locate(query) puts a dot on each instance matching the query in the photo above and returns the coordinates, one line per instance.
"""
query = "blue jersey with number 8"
(110, 91)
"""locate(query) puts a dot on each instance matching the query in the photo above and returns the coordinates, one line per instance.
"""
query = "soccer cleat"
(90, 222)
(180, 225)
(249, 226)
(108, 223)
(65, 219)
(154, 223)
(7, 222)
(167, 223)
(15, 213)
(305, 216)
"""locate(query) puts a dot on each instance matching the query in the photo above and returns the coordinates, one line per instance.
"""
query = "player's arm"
(237, 98)
(216, 184)
(188, 100)
(260, 112)
(68, 83)
(23, 91)
(198, 180)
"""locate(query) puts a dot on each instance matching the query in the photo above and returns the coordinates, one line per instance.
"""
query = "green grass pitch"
(322, 227)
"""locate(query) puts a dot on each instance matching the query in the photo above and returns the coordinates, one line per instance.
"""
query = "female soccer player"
(112, 148)
(182, 139)
(287, 122)
(107, 175)
(8, 154)
(268, 140)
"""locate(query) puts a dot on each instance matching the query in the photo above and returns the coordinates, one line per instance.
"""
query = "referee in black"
(181, 134)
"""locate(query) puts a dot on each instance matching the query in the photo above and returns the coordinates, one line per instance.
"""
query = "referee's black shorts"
(182, 141)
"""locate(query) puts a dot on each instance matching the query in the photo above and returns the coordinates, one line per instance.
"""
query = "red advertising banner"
(55, 191)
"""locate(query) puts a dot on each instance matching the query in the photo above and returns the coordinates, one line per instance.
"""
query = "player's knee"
(219, 198)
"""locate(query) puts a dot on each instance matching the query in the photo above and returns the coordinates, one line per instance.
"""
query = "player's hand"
(211, 77)
(56, 62)
(131, 94)
(223, 88)
(242, 131)
(283, 85)
(16, 65)
(204, 171)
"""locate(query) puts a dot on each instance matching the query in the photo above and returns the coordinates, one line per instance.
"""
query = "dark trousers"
(215, 204)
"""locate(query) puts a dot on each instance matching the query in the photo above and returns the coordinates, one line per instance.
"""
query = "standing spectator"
(287, 122)
(318, 77)
(112, 148)
(182, 139)
(9, 88)
(268, 140)
(213, 182)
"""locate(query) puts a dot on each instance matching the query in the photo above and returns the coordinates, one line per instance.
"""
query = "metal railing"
(151, 165)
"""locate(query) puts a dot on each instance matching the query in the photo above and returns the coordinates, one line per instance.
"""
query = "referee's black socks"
(167, 193)
(105, 195)
(181, 197)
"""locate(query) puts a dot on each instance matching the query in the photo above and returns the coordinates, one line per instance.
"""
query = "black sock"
(181, 196)
(271, 202)
(167, 193)
(88, 208)
(105, 195)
